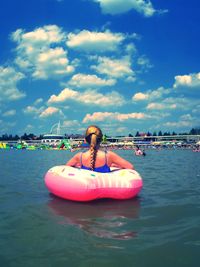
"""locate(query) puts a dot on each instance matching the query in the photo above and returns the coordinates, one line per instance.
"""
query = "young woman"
(96, 159)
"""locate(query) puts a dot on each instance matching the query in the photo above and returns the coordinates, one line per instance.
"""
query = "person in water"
(139, 152)
(95, 159)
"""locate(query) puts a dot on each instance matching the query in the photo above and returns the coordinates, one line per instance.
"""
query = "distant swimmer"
(196, 149)
(139, 152)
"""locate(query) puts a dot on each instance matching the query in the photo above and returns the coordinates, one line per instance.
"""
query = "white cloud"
(191, 80)
(144, 62)
(151, 94)
(95, 41)
(49, 112)
(38, 101)
(181, 103)
(114, 7)
(159, 106)
(83, 80)
(71, 124)
(187, 117)
(9, 78)
(187, 120)
(89, 97)
(32, 110)
(63, 96)
(52, 63)
(40, 37)
(37, 52)
(196, 109)
(179, 124)
(140, 96)
(174, 103)
(158, 93)
(102, 116)
(116, 68)
(104, 100)
(9, 113)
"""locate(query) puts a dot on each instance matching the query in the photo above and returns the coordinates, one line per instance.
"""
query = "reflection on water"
(159, 229)
(101, 218)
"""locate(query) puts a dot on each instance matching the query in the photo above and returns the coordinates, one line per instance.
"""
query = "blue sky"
(124, 65)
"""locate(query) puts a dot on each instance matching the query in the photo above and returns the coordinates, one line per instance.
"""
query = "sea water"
(161, 227)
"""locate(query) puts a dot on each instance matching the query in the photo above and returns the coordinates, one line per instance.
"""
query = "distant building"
(53, 138)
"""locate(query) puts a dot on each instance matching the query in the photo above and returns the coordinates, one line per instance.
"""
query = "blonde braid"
(93, 152)
(93, 137)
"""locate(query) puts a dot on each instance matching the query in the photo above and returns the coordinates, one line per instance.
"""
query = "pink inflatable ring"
(83, 185)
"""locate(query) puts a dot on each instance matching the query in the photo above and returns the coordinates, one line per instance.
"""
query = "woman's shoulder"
(111, 154)
(104, 152)
(77, 155)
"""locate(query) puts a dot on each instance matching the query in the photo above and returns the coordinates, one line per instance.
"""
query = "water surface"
(159, 228)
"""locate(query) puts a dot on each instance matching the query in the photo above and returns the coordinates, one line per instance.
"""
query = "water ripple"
(160, 228)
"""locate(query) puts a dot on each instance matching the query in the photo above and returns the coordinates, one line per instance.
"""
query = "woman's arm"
(75, 161)
(119, 162)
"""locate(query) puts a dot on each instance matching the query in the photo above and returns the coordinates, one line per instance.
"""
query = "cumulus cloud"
(9, 113)
(173, 103)
(114, 7)
(187, 117)
(70, 124)
(38, 101)
(161, 99)
(84, 80)
(41, 36)
(191, 80)
(89, 97)
(37, 52)
(63, 96)
(52, 63)
(32, 110)
(151, 94)
(181, 103)
(140, 96)
(114, 116)
(116, 68)
(196, 108)
(95, 98)
(144, 63)
(159, 106)
(9, 79)
(95, 41)
(50, 111)
(186, 120)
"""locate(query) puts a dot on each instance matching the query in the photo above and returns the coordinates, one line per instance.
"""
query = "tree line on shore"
(31, 136)
(193, 131)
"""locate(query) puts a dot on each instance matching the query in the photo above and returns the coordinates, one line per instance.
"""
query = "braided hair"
(93, 137)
